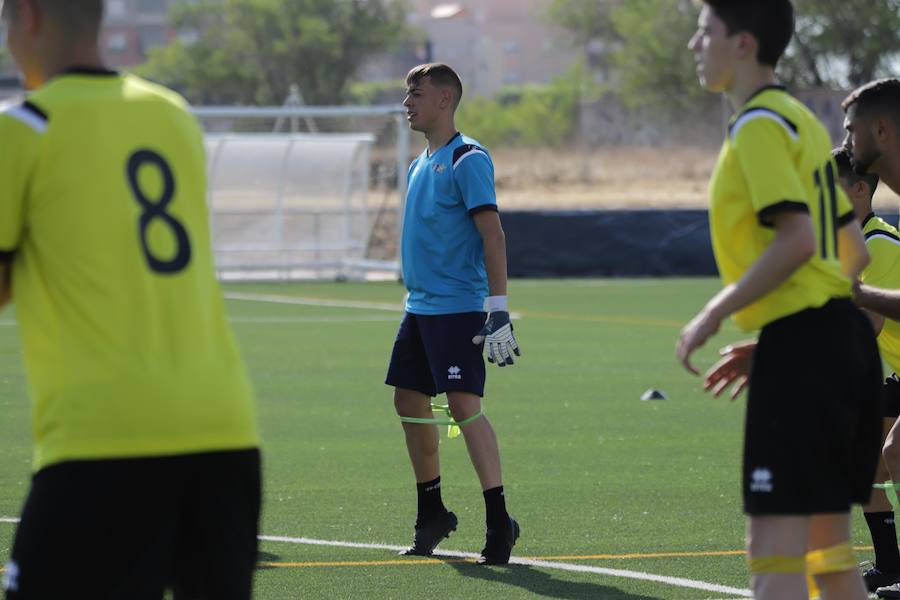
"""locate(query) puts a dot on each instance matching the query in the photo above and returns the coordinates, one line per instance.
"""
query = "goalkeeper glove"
(497, 333)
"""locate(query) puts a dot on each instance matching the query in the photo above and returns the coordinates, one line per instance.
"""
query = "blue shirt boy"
(441, 250)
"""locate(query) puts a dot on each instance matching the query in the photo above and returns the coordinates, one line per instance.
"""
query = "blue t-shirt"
(441, 250)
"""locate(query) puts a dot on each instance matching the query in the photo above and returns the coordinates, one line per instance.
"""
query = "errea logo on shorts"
(11, 577)
(762, 481)
(454, 373)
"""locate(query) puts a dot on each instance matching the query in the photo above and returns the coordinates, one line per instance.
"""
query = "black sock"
(884, 538)
(430, 503)
(495, 508)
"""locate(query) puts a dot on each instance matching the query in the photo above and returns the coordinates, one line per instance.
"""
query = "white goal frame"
(351, 245)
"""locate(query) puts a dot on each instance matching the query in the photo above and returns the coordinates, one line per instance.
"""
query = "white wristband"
(495, 303)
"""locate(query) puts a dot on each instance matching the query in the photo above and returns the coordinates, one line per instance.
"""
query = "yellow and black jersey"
(103, 217)
(883, 270)
(777, 157)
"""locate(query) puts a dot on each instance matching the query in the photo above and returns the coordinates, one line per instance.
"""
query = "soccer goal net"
(305, 192)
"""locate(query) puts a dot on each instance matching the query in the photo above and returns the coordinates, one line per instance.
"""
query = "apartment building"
(132, 28)
(490, 43)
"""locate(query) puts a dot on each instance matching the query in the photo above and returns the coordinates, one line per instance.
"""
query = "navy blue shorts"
(434, 354)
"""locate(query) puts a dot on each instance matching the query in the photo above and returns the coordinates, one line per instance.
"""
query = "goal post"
(299, 205)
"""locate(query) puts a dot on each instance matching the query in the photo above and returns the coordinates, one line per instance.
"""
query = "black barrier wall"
(636, 243)
(624, 243)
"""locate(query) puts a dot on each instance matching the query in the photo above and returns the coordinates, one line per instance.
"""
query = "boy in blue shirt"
(453, 254)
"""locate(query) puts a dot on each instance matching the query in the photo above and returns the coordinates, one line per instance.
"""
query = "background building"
(132, 28)
(490, 44)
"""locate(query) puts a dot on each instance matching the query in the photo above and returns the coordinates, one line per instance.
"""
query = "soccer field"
(618, 499)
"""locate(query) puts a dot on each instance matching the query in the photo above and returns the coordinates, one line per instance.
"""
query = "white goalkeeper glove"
(497, 333)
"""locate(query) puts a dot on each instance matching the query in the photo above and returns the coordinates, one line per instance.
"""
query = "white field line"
(304, 301)
(593, 283)
(323, 319)
(544, 564)
(289, 320)
(324, 302)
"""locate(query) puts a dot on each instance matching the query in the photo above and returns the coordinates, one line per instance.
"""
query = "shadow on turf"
(265, 557)
(543, 584)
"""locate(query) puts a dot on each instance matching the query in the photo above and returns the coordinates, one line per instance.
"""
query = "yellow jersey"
(103, 214)
(883, 270)
(777, 157)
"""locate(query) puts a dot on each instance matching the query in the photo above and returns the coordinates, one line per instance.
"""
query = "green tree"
(839, 43)
(652, 65)
(584, 20)
(251, 51)
(842, 43)
(641, 44)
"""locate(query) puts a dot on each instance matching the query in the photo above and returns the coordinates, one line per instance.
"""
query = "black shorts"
(891, 395)
(435, 354)
(814, 413)
(128, 529)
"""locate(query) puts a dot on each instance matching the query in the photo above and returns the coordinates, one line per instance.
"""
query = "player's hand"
(694, 335)
(733, 368)
(497, 336)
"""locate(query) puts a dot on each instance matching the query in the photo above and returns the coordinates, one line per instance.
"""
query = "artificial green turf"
(589, 468)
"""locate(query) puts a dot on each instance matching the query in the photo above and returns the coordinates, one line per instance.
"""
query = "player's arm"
(473, 173)
(491, 231)
(794, 244)
(881, 301)
(20, 131)
(497, 333)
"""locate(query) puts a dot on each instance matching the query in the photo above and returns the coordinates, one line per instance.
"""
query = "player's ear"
(861, 189)
(746, 45)
(883, 128)
(446, 98)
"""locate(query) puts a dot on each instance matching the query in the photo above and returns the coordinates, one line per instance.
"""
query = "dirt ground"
(614, 177)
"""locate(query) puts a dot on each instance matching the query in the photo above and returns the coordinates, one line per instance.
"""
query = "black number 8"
(157, 210)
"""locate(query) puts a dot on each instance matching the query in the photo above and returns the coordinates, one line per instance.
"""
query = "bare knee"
(891, 454)
(463, 405)
(409, 403)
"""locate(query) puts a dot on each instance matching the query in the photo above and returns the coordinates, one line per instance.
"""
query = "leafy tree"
(533, 115)
(251, 51)
(652, 65)
(584, 20)
(841, 43)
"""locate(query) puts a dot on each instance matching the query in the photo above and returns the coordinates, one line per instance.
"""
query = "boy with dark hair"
(883, 244)
(787, 246)
(453, 255)
(872, 121)
(147, 469)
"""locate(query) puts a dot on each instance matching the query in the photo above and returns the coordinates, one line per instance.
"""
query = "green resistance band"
(890, 490)
(452, 426)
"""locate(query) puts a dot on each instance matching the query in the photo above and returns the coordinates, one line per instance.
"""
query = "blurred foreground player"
(147, 469)
(787, 246)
